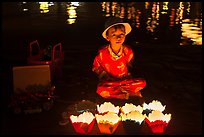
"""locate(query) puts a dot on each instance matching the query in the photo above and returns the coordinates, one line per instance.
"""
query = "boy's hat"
(115, 21)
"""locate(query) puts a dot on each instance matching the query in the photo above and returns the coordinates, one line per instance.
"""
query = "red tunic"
(116, 66)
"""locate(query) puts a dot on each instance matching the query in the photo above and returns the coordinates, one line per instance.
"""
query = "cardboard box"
(24, 76)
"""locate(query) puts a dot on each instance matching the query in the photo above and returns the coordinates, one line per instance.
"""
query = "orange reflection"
(137, 19)
(103, 5)
(113, 8)
(44, 7)
(152, 20)
(172, 17)
(122, 12)
(107, 7)
(165, 7)
(179, 13)
(188, 8)
(191, 33)
(147, 5)
(71, 12)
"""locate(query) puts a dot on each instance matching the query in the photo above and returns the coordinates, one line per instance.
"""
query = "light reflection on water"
(156, 19)
(71, 12)
(179, 15)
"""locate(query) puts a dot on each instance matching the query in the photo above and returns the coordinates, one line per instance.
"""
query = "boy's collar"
(113, 53)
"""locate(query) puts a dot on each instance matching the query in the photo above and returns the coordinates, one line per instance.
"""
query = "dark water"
(79, 25)
(158, 22)
(166, 38)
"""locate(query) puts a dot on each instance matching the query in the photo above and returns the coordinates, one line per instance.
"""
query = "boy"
(113, 61)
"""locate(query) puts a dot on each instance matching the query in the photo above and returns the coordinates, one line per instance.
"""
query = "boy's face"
(116, 36)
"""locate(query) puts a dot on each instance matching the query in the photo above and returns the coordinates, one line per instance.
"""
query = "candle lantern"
(83, 124)
(158, 121)
(107, 107)
(107, 123)
(128, 107)
(154, 105)
(132, 121)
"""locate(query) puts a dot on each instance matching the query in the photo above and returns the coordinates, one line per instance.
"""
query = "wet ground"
(173, 75)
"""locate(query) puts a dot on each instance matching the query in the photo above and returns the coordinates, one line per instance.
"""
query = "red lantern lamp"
(83, 124)
(107, 123)
(107, 107)
(128, 107)
(154, 105)
(157, 121)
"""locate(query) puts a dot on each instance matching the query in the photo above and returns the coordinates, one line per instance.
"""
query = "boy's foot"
(138, 93)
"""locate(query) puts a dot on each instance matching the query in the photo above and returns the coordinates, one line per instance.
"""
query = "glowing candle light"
(132, 121)
(158, 121)
(107, 107)
(128, 107)
(154, 105)
(135, 116)
(108, 122)
(83, 124)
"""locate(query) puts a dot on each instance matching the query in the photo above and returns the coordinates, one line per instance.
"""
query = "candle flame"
(154, 105)
(158, 115)
(128, 107)
(134, 116)
(86, 117)
(107, 107)
(109, 117)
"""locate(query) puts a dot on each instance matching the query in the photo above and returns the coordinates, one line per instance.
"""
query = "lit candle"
(83, 123)
(108, 122)
(107, 107)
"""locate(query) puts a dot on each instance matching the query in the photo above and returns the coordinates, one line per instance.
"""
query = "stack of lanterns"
(132, 118)
(83, 123)
(156, 120)
(108, 116)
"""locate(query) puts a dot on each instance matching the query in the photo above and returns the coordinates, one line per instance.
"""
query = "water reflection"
(153, 19)
(71, 12)
(160, 19)
(44, 6)
(191, 31)
(106, 8)
(164, 8)
(23, 7)
(179, 14)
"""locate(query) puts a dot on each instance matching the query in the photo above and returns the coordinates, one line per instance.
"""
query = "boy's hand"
(104, 75)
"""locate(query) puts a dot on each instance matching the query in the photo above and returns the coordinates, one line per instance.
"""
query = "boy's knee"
(105, 94)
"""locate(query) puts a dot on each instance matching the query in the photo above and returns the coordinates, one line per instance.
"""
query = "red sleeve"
(97, 68)
(129, 54)
(96, 64)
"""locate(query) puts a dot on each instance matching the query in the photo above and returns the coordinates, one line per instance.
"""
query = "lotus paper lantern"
(128, 107)
(154, 105)
(158, 121)
(107, 123)
(83, 124)
(132, 121)
(107, 107)
(135, 116)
